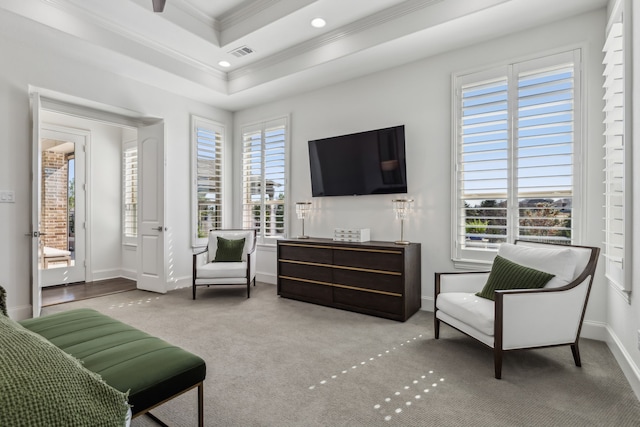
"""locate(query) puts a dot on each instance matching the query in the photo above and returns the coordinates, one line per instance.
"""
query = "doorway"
(61, 252)
(107, 253)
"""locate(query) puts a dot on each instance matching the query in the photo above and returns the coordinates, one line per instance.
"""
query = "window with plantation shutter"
(208, 138)
(263, 178)
(517, 136)
(617, 220)
(130, 193)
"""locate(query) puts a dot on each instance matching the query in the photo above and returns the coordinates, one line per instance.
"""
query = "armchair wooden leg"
(436, 326)
(576, 354)
(249, 289)
(194, 291)
(497, 361)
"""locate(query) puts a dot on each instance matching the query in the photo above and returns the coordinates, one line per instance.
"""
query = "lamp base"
(401, 242)
(302, 237)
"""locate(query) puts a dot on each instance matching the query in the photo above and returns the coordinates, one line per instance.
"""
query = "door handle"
(35, 234)
(160, 228)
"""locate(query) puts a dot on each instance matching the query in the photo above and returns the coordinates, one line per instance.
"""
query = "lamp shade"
(303, 209)
(401, 207)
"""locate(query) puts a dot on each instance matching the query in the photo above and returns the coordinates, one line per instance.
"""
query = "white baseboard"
(106, 274)
(629, 368)
(266, 278)
(20, 313)
(129, 274)
(594, 330)
(179, 283)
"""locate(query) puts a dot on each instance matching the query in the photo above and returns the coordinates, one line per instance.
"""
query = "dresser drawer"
(305, 291)
(369, 280)
(368, 300)
(310, 253)
(300, 269)
(389, 260)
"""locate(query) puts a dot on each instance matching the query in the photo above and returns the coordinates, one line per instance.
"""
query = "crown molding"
(244, 11)
(75, 9)
(187, 7)
(335, 36)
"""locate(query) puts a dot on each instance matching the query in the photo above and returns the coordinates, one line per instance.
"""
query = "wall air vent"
(241, 51)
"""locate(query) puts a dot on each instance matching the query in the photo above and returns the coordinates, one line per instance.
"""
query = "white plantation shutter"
(483, 163)
(516, 131)
(208, 138)
(617, 220)
(263, 177)
(545, 148)
(130, 193)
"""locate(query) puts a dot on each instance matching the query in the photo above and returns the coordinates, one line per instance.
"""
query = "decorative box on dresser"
(378, 278)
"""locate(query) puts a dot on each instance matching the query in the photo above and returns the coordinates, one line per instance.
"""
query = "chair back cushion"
(566, 263)
(247, 235)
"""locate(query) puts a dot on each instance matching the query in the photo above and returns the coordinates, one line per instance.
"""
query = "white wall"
(418, 95)
(24, 65)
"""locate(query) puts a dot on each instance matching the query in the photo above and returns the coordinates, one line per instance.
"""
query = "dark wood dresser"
(378, 278)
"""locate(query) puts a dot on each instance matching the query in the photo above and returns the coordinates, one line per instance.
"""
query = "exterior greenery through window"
(263, 177)
(207, 140)
(517, 136)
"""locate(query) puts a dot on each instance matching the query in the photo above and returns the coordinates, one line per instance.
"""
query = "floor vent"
(241, 51)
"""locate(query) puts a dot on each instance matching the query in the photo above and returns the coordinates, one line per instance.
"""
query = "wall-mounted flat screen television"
(371, 162)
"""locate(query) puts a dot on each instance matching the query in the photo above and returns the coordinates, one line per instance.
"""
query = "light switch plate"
(7, 197)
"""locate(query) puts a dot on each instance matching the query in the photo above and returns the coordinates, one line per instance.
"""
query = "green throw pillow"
(506, 274)
(229, 250)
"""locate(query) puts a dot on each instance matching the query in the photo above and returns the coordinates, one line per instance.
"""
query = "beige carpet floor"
(278, 362)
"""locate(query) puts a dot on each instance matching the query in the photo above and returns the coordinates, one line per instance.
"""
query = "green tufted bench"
(150, 369)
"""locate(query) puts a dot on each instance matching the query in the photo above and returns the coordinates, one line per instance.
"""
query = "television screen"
(371, 162)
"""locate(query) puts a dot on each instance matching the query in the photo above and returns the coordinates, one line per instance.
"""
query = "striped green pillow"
(506, 274)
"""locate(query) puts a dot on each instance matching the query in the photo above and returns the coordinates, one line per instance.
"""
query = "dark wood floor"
(53, 295)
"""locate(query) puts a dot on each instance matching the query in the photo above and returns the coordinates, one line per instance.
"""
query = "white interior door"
(62, 203)
(36, 183)
(151, 212)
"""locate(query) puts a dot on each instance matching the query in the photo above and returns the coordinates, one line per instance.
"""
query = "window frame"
(198, 122)
(510, 71)
(260, 126)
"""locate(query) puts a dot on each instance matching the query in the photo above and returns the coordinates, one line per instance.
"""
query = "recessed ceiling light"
(224, 64)
(318, 23)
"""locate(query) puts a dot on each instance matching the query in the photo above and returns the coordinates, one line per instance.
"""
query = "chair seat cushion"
(222, 270)
(469, 309)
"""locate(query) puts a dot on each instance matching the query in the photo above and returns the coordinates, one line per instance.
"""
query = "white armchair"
(521, 318)
(209, 272)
